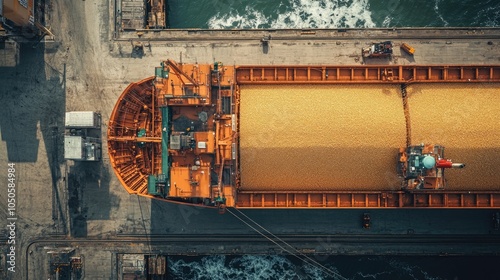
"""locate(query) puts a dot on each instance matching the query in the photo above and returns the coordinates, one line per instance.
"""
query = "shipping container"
(82, 148)
(83, 119)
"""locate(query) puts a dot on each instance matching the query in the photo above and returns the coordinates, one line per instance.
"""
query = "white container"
(82, 119)
(80, 149)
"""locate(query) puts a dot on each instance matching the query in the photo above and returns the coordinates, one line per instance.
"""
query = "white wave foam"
(413, 271)
(489, 16)
(387, 21)
(299, 14)
(243, 267)
(436, 10)
(383, 275)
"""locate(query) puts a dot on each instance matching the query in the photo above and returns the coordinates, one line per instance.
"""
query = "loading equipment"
(422, 167)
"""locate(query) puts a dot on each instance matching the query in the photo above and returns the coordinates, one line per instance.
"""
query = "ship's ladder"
(406, 110)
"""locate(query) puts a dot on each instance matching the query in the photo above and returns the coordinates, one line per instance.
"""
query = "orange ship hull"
(175, 136)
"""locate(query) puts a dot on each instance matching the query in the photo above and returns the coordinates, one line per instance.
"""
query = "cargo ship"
(176, 136)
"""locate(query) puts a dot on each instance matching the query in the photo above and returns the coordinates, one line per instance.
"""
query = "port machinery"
(174, 137)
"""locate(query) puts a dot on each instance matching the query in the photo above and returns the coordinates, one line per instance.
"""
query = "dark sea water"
(340, 267)
(216, 14)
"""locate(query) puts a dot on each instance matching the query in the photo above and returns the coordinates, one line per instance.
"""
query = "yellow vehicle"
(407, 48)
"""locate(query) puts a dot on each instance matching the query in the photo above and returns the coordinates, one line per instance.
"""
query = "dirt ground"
(72, 72)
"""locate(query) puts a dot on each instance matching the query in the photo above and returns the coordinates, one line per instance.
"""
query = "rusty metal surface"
(138, 108)
(369, 199)
(366, 74)
(131, 163)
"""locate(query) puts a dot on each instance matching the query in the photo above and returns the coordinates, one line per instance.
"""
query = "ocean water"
(337, 268)
(217, 14)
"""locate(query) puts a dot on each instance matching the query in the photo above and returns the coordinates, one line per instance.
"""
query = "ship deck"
(320, 137)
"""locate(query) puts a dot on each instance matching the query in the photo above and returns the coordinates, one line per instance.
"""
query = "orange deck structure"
(18, 13)
(175, 136)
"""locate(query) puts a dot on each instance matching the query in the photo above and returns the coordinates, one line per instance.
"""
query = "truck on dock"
(382, 49)
(82, 140)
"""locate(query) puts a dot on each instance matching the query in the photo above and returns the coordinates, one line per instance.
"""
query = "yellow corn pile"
(321, 137)
(465, 119)
(346, 137)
